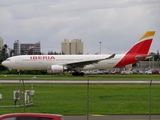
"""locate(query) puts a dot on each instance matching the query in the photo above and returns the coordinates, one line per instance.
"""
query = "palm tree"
(11, 51)
(4, 54)
(4, 51)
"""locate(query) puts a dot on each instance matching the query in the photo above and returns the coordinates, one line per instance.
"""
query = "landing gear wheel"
(81, 74)
(77, 74)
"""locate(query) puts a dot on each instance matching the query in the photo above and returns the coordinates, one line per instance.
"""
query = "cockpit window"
(8, 60)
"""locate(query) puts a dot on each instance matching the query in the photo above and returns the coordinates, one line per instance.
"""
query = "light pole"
(158, 64)
(100, 47)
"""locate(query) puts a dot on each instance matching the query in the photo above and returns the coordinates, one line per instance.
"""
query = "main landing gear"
(75, 73)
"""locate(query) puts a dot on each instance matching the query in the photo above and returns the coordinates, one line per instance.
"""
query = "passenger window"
(8, 59)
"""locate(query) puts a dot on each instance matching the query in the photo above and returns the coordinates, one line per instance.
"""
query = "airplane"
(78, 63)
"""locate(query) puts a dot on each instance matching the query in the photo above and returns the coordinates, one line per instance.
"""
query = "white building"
(65, 47)
(73, 47)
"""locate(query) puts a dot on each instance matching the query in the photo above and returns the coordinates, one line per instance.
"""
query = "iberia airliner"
(77, 63)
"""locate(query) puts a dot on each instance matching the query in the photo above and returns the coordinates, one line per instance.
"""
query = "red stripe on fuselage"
(140, 48)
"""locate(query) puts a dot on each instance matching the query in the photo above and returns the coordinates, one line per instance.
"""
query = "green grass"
(72, 98)
(86, 77)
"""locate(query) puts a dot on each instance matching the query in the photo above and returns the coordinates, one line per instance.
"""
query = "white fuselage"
(37, 62)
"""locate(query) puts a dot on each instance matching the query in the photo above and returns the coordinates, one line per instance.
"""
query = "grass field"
(86, 77)
(77, 99)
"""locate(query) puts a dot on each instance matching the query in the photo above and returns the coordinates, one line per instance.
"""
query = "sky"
(117, 24)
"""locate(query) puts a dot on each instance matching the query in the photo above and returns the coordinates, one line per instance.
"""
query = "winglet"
(112, 56)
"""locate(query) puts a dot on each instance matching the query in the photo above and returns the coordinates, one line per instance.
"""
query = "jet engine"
(57, 69)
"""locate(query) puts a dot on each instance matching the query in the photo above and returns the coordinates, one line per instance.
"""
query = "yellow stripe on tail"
(148, 34)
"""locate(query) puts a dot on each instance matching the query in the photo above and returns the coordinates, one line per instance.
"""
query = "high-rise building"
(65, 47)
(16, 47)
(73, 47)
(1, 43)
(26, 48)
(76, 46)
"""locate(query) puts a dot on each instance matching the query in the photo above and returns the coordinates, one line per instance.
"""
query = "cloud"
(118, 24)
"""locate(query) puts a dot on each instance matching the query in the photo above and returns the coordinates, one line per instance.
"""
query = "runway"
(77, 82)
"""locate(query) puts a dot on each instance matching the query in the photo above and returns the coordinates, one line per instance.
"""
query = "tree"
(50, 52)
(11, 52)
(22, 52)
(4, 54)
(30, 52)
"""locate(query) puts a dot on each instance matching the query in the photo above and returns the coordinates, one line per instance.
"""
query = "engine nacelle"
(57, 69)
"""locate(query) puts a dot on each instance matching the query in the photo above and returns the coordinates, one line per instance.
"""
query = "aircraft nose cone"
(3, 63)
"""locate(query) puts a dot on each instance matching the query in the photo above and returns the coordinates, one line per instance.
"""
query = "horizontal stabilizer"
(143, 57)
(149, 56)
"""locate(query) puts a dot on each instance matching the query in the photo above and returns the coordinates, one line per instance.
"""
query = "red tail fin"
(143, 45)
(139, 50)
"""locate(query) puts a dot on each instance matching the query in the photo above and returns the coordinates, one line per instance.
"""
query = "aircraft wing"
(143, 57)
(86, 62)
